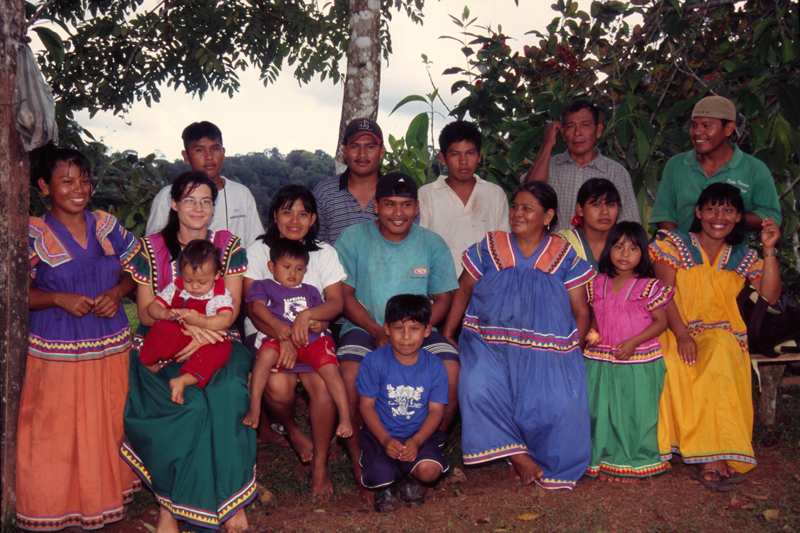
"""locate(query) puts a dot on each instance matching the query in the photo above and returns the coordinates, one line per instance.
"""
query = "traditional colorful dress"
(68, 470)
(198, 458)
(578, 241)
(522, 387)
(624, 395)
(706, 411)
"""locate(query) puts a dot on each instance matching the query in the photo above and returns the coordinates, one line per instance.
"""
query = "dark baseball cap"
(396, 184)
(362, 126)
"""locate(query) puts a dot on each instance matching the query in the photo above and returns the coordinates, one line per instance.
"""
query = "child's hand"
(687, 349)
(190, 317)
(175, 314)
(625, 350)
(409, 454)
(593, 338)
(393, 447)
(769, 234)
(283, 332)
(300, 328)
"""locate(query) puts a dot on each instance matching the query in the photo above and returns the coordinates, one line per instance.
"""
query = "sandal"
(734, 478)
(718, 485)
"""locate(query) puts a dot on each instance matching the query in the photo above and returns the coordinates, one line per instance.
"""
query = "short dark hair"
(199, 252)
(287, 247)
(578, 105)
(598, 189)
(408, 307)
(46, 159)
(626, 232)
(197, 130)
(289, 194)
(722, 194)
(458, 131)
(544, 194)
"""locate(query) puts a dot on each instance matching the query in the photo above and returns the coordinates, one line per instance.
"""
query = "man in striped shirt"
(347, 198)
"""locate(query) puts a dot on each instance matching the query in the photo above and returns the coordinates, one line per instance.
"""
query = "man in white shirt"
(460, 206)
(235, 209)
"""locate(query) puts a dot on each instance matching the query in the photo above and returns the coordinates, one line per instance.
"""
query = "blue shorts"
(379, 470)
(357, 343)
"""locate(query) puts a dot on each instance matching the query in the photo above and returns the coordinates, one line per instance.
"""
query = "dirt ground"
(489, 501)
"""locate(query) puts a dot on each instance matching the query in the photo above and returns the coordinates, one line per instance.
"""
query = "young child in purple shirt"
(277, 303)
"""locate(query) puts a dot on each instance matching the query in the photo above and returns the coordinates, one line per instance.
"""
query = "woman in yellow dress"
(706, 411)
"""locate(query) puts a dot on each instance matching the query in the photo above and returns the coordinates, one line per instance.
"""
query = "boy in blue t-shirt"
(403, 392)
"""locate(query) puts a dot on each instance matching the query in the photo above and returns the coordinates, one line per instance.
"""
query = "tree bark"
(363, 78)
(14, 183)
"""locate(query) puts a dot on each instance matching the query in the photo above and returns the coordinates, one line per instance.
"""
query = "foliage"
(645, 63)
(108, 55)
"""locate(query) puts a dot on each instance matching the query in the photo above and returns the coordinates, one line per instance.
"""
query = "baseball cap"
(396, 184)
(715, 107)
(362, 126)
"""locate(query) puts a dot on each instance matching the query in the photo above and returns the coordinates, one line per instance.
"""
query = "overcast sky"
(291, 116)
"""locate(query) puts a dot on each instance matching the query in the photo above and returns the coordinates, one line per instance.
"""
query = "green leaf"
(407, 99)
(642, 146)
(52, 42)
(417, 134)
(675, 111)
(761, 27)
(524, 145)
(499, 162)
(789, 98)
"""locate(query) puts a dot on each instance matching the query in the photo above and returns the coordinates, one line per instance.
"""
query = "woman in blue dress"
(522, 385)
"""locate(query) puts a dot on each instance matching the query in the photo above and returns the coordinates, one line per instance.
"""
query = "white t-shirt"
(235, 211)
(324, 269)
(461, 226)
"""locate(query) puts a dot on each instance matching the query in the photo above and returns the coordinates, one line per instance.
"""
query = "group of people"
(569, 349)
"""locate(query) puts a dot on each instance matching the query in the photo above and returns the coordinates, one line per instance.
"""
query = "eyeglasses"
(190, 202)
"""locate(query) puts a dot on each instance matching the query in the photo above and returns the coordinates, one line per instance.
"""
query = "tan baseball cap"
(715, 107)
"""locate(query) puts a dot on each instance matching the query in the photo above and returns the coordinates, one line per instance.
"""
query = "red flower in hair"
(577, 221)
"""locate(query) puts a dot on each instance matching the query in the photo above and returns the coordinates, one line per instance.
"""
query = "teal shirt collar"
(735, 160)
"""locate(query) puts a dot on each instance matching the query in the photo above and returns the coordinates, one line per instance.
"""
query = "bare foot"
(345, 428)
(512, 472)
(366, 494)
(166, 523)
(252, 417)
(528, 470)
(177, 385)
(604, 477)
(301, 444)
(321, 481)
(237, 523)
(628, 480)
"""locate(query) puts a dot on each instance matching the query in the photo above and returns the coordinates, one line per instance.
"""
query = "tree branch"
(36, 16)
(790, 188)
(167, 4)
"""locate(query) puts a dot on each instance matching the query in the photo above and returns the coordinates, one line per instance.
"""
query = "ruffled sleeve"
(115, 239)
(139, 266)
(234, 256)
(664, 249)
(752, 266)
(471, 259)
(579, 272)
(656, 294)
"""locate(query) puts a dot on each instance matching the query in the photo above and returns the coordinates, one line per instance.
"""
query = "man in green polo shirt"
(714, 159)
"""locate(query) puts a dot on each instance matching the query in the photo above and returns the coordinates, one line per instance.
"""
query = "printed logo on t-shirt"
(404, 398)
(739, 184)
(420, 271)
(292, 306)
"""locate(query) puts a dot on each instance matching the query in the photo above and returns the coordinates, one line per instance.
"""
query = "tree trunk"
(363, 79)
(14, 258)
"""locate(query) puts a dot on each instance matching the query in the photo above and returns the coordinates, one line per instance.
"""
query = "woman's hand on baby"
(287, 356)
(687, 349)
(300, 328)
(74, 304)
(200, 337)
(769, 234)
(625, 350)
(107, 304)
(283, 332)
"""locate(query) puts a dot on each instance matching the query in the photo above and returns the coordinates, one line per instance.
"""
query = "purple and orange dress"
(69, 472)
(624, 395)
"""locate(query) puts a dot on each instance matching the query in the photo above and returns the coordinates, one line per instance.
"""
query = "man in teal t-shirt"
(384, 258)
(714, 160)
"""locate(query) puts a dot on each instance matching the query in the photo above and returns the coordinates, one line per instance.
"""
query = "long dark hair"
(289, 194)
(544, 194)
(722, 194)
(184, 184)
(626, 232)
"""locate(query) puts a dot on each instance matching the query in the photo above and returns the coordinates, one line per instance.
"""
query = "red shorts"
(319, 353)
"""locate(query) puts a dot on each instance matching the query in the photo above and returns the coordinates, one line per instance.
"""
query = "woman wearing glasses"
(197, 457)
